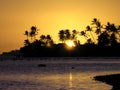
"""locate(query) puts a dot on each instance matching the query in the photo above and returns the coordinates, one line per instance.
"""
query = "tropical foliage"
(101, 40)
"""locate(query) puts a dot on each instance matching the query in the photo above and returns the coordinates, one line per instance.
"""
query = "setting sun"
(50, 16)
(70, 43)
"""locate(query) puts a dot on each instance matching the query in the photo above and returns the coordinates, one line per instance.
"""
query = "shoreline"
(113, 80)
(4, 57)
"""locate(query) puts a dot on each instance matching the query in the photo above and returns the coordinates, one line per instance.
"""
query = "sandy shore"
(113, 79)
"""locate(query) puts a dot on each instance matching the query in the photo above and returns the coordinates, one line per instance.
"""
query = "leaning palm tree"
(88, 28)
(98, 26)
(83, 33)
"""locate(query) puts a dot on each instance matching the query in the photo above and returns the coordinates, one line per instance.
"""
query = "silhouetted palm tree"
(113, 39)
(48, 37)
(83, 33)
(98, 26)
(33, 32)
(61, 35)
(88, 28)
(49, 40)
(46, 40)
(27, 34)
(26, 42)
(113, 32)
(119, 33)
(104, 39)
(67, 34)
(74, 33)
(43, 39)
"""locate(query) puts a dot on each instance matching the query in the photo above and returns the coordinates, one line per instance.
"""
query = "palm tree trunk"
(92, 37)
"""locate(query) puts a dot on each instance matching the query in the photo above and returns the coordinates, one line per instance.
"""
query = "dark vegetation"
(113, 80)
(101, 40)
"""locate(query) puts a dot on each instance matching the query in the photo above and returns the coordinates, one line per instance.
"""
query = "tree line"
(101, 40)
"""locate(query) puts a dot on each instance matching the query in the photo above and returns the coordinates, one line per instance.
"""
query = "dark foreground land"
(113, 80)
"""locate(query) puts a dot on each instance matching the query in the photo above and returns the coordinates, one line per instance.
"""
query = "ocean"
(56, 73)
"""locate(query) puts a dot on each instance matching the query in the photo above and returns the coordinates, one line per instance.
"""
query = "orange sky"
(50, 16)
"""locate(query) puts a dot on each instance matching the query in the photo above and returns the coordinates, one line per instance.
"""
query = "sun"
(70, 43)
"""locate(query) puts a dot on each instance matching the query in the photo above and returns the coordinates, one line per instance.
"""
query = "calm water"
(59, 73)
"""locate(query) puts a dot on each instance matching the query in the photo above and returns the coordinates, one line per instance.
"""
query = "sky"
(50, 16)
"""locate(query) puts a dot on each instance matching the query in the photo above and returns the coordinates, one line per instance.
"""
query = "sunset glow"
(50, 16)
(70, 43)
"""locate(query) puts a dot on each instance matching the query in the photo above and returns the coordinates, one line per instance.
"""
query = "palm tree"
(119, 33)
(27, 34)
(113, 39)
(43, 38)
(98, 25)
(49, 40)
(111, 28)
(104, 39)
(26, 42)
(48, 37)
(113, 32)
(74, 33)
(33, 32)
(46, 40)
(88, 28)
(62, 35)
(83, 33)
(67, 34)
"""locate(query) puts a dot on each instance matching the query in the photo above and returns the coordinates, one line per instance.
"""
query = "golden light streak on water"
(70, 80)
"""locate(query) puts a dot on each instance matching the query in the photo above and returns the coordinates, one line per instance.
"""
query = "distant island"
(101, 40)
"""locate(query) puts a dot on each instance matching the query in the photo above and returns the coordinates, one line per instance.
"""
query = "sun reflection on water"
(66, 81)
(70, 80)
